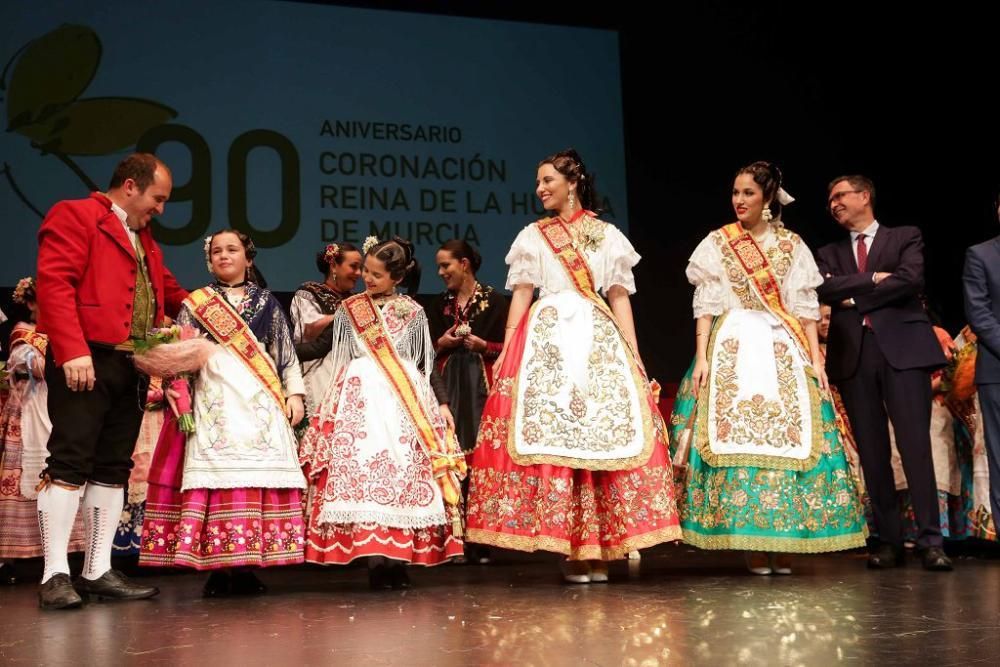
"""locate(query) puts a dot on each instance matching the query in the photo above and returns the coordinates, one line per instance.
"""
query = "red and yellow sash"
(447, 461)
(24, 335)
(558, 238)
(560, 242)
(229, 330)
(764, 283)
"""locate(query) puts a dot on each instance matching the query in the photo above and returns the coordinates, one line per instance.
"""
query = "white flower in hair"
(369, 243)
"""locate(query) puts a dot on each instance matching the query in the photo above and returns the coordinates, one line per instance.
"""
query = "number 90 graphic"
(198, 188)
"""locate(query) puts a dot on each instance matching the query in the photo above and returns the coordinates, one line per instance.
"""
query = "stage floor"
(676, 606)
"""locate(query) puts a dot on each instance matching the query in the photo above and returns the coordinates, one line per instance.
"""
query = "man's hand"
(80, 373)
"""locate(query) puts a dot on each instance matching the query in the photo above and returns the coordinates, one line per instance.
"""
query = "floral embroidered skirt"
(128, 539)
(341, 543)
(19, 534)
(207, 529)
(762, 509)
(372, 490)
(583, 514)
(965, 514)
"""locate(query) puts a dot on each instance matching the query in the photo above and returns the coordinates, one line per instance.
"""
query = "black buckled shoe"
(58, 593)
(113, 585)
(934, 559)
(885, 557)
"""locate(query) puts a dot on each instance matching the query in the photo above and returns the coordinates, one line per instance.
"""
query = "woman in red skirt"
(571, 454)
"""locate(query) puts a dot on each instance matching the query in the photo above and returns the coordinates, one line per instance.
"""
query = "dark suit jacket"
(981, 282)
(902, 328)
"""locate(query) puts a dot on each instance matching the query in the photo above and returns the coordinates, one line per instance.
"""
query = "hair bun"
(406, 245)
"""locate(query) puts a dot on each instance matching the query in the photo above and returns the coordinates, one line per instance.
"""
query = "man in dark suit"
(880, 354)
(981, 279)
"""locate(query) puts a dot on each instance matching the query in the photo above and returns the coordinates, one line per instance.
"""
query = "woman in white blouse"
(766, 471)
(571, 456)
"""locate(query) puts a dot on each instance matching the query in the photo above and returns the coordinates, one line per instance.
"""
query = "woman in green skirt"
(764, 470)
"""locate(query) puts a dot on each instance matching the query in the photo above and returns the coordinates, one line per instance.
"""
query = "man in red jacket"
(101, 286)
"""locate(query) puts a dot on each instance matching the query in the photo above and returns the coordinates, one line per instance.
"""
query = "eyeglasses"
(840, 195)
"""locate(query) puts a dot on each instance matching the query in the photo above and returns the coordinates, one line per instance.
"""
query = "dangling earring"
(765, 215)
(572, 201)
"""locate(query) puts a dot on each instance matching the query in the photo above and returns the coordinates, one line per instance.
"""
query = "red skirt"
(584, 514)
(208, 529)
(340, 543)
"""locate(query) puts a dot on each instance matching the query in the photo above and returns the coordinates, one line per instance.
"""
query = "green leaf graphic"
(52, 71)
(98, 126)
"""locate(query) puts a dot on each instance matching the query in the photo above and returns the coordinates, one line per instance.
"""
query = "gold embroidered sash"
(229, 330)
(447, 460)
(36, 340)
(751, 259)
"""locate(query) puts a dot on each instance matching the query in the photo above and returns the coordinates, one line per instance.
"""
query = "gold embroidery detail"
(503, 386)
(811, 545)
(757, 420)
(606, 427)
(565, 547)
(588, 233)
(724, 382)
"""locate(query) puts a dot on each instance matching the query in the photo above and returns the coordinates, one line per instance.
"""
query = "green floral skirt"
(762, 509)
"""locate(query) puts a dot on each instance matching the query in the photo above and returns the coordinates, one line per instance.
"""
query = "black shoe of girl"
(398, 577)
(219, 585)
(378, 578)
(7, 575)
(245, 582)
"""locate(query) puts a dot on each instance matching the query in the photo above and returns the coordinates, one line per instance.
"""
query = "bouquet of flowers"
(174, 353)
